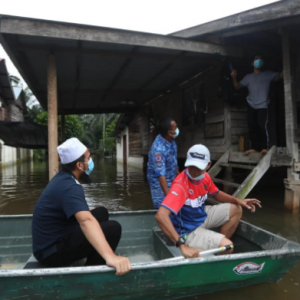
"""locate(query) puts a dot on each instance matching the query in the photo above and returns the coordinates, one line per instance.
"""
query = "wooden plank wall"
(239, 125)
(211, 132)
(139, 135)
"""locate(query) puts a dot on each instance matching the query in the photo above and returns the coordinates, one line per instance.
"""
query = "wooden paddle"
(203, 253)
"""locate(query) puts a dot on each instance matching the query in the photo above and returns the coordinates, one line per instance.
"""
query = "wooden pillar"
(63, 132)
(52, 116)
(292, 183)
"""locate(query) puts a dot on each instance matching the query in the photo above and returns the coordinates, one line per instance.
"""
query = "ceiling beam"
(263, 14)
(117, 54)
(98, 110)
(67, 31)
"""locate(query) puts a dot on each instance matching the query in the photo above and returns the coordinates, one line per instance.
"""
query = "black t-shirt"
(53, 216)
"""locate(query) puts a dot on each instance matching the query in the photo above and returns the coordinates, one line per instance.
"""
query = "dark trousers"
(258, 128)
(75, 246)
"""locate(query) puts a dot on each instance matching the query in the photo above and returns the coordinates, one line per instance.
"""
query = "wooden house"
(76, 69)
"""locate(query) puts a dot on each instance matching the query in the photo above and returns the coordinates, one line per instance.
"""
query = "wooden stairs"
(256, 162)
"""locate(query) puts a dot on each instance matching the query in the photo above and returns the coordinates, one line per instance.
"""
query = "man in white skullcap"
(64, 230)
(185, 219)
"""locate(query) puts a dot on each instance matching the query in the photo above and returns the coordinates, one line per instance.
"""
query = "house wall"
(211, 129)
(135, 160)
(8, 154)
(11, 155)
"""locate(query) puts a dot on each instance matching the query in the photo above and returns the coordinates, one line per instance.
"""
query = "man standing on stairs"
(162, 164)
(184, 217)
(258, 84)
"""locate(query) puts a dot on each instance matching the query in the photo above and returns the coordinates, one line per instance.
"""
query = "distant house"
(11, 110)
(205, 106)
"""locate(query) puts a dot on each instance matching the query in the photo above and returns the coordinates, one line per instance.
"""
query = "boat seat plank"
(33, 263)
(165, 248)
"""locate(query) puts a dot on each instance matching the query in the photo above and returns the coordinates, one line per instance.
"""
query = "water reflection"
(125, 188)
(113, 185)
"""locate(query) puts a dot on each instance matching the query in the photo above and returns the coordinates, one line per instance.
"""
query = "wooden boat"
(259, 256)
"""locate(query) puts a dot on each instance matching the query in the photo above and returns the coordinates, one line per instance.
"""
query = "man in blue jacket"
(162, 163)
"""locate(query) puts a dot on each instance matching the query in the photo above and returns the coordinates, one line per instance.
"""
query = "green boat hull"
(261, 257)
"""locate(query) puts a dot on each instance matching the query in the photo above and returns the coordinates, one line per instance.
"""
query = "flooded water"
(119, 188)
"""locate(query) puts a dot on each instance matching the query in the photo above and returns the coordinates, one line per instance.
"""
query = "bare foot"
(264, 151)
(250, 151)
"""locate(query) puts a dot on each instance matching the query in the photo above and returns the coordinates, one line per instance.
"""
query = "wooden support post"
(52, 116)
(292, 182)
(63, 132)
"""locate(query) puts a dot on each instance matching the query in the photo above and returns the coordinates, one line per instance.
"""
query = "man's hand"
(120, 263)
(233, 73)
(189, 252)
(249, 204)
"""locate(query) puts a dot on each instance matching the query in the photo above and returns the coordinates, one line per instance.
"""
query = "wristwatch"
(181, 241)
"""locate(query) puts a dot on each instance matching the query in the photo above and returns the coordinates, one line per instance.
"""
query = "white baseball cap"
(198, 156)
(70, 150)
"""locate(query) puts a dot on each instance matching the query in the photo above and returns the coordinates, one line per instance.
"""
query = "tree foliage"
(73, 126)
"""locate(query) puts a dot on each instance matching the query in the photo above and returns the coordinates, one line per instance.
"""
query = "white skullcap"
(70, 150)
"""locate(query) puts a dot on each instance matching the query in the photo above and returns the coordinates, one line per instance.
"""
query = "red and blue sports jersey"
(186, 201)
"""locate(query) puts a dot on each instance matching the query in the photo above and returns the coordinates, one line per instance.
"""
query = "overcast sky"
(156, 16)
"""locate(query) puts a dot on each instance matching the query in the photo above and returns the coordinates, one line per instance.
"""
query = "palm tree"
(15, 80)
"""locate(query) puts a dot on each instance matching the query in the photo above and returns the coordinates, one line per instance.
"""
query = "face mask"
(176, 133)
(195, 178)
(258, 63)
(90, 166)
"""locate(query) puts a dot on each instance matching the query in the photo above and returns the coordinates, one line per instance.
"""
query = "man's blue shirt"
(53, 216)
(162, 162)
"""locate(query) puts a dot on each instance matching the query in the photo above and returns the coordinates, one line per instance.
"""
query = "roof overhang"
(281, 13)
(6, 91)
(103, 69)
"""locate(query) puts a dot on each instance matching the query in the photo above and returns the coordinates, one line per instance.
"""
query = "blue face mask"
(195, 178)
(258, 63)
(176, 133)
(90, 166)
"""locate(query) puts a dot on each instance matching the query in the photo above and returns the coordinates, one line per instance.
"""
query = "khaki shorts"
(205, 239)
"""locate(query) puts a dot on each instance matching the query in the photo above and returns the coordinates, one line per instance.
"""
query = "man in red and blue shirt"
(185, 219)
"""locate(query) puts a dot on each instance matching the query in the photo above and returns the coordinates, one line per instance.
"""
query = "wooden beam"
(118, 54)
(291, 199)
(63, 131)
(52, 116)
(290, 102)
(260, 28)
(255, 175)
(78, 72)
(57, 30)
(267, 13)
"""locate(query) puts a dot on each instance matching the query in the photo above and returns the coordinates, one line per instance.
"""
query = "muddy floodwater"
(119, 188)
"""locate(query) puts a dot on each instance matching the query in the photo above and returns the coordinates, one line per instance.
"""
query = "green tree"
(94, 127)
(73, 126)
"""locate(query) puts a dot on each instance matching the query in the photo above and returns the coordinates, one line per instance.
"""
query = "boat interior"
(142, 240)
